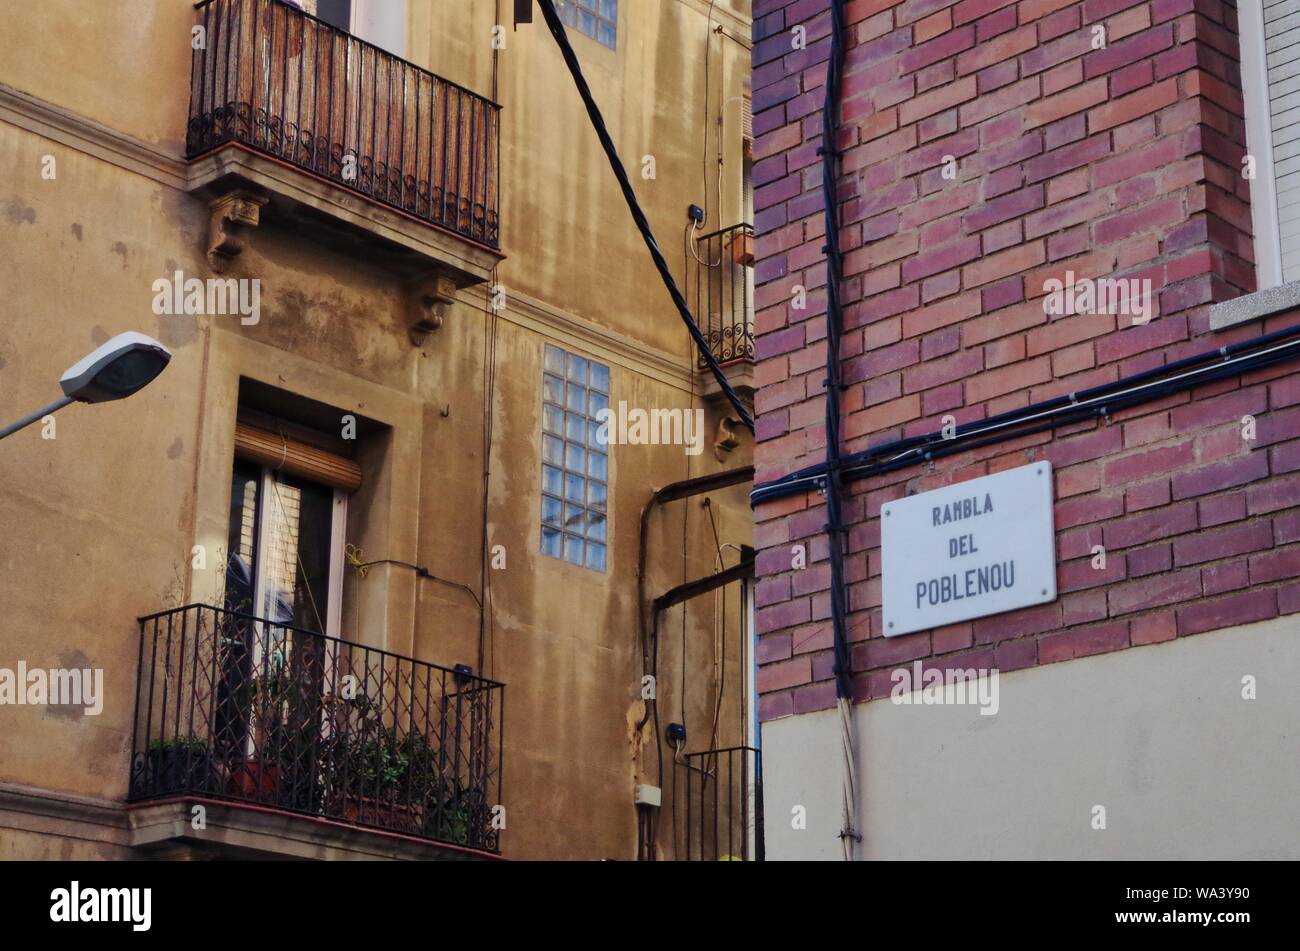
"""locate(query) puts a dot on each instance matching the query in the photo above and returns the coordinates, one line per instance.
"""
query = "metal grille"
(293, 87)
(232, 706)
(720, 290)
(724, 805)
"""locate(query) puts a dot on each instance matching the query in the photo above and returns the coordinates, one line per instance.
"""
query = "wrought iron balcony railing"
(724, 805)
(290, 86)
(235, 707)
(720, 290)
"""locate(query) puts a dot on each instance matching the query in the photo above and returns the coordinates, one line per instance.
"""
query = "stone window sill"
(1266, 303)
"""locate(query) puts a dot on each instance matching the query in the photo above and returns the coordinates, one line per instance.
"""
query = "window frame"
(1267, 238)
(591, 393)
(592, 9)
(266, 494)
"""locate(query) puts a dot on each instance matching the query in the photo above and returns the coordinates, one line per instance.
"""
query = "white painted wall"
(1159, 735)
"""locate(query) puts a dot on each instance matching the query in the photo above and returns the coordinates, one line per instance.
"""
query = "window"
(288, 511)
(337, 13)
(285, 555)
(1270, 74)
(575, 464)
(381, 22)
(596, 18)
(284, 567)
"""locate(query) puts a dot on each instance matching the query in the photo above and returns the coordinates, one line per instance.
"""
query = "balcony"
(724, 805)
(393, 144)
(720, 291)
(234, 709)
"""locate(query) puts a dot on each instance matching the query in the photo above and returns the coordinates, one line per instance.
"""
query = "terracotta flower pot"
(379, 812)
(742, 249)
(256, 781)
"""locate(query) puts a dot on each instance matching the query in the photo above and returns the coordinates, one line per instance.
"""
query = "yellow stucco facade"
(102, 521)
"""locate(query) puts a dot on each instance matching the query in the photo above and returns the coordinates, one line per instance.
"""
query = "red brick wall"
(1122, 161)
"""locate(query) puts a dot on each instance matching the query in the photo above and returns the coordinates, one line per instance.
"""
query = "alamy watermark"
(1130, 297)
(655, 427)
(976, 686)
(195, 297)
(55, 687)
(76, 904)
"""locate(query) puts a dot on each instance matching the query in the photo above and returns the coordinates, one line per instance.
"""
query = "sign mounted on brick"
(981, 547)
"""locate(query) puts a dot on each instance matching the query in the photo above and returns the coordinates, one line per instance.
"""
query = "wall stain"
(76, 230)
(334, 329)
(121, 251)
(175, 449)
(177, 331)
(71, 660)
(18, 212)
(98, 334)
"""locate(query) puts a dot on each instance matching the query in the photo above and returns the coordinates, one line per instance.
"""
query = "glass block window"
(596, 18)
(575, 465)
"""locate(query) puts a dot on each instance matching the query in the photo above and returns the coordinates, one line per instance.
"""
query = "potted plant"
(256, 775)
(385, 778)
(461, 815)
(180, 764)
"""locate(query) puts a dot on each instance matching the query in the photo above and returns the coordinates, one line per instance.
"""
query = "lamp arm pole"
(39, 414)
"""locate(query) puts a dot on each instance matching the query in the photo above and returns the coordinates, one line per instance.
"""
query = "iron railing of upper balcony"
(293, 87)
(724, 805)
(236, 707)
(720, 290)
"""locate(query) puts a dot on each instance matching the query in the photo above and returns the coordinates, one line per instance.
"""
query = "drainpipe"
(835, 530)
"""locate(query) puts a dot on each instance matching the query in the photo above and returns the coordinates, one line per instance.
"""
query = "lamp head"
(120, 367)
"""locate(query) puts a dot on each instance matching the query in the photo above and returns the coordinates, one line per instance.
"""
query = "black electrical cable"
(420, 571)
(1096, 402)
(634, 206)
(841, 667)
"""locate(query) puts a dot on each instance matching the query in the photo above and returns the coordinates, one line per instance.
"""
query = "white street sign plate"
(981, 547)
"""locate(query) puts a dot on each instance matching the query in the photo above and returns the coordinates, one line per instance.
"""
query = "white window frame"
(1259, 144)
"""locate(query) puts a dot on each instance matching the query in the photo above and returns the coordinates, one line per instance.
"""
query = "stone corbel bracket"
(725, 438)
(430, 299)
(230, 215)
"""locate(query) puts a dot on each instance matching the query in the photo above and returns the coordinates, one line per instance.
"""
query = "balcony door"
(285, 560)
(284, 572)
(381, 22)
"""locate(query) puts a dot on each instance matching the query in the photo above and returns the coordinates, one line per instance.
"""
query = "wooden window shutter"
(286, 454)
(747, 122)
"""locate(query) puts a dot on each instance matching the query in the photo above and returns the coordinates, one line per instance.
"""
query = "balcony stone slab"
(166, 830)
(233, 175)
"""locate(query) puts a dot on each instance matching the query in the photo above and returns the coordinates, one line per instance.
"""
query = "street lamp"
(114, 371)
